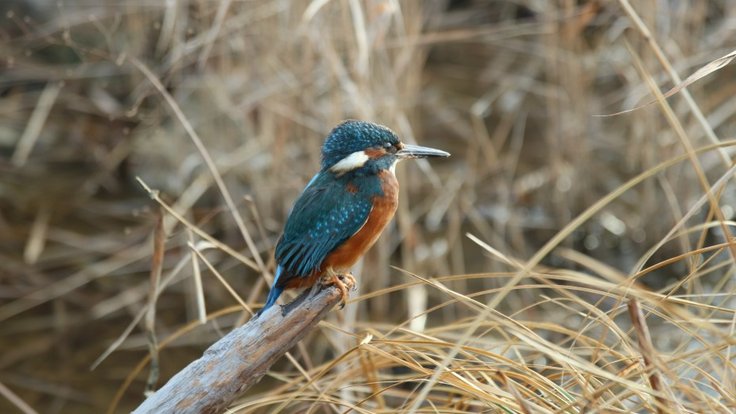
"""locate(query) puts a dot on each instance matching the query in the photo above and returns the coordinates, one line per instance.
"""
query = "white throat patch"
(393, 166)
(351, 162)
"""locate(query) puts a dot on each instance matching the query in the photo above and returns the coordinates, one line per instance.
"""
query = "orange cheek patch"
(375, 152)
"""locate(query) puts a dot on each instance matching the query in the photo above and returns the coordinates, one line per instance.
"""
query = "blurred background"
(220, 108)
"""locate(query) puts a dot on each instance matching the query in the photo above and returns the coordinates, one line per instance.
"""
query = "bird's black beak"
(415, 151)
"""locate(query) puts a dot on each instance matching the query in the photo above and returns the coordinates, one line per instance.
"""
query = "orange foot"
(344, 282)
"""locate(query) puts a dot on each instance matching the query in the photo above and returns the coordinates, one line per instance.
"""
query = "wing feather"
(324, 216)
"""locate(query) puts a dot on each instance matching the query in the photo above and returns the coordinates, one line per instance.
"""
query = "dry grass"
(560, 261)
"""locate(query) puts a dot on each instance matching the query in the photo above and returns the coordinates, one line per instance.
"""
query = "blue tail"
(274, 293)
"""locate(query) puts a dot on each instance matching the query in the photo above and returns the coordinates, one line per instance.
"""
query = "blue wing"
(324, 216)
(275, 292)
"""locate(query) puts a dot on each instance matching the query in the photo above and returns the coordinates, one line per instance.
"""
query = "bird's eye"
(390, 148)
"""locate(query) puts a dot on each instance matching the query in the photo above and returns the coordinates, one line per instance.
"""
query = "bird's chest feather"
(384, 207)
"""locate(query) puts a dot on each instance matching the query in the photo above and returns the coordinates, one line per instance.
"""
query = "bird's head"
(369, 148)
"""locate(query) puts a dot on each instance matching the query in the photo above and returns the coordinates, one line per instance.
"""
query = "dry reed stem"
(654, 45)
(689, 149)
(651, 361)
(197, 275)
(35, 124)
(207, 159)
(539, 255)
(159, 240)
(15, 400)
(154, 194)
(525, 409)
(510, 87)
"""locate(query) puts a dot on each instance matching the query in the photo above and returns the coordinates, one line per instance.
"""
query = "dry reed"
(578, 187)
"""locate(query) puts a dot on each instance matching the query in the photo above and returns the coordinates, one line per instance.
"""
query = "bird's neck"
(370, 183)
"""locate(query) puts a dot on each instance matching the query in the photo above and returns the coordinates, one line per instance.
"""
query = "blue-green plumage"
(338, 202)
(323, 217)
(351, 136)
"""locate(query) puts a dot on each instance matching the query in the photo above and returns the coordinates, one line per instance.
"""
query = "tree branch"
(241, 358)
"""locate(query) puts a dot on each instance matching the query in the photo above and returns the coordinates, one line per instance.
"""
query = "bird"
(343, 209)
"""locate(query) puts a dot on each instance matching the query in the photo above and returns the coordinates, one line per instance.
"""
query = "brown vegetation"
(506, 280)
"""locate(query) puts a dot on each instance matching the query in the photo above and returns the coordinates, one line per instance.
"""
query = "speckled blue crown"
(351, 136)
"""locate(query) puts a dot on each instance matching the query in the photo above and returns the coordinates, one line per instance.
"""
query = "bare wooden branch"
(241, 358)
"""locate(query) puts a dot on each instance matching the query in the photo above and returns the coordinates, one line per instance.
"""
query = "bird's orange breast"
(384, 207)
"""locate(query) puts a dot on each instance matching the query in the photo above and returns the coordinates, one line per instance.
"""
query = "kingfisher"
(343, 209)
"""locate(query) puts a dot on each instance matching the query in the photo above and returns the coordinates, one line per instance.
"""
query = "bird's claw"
(343, 281)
